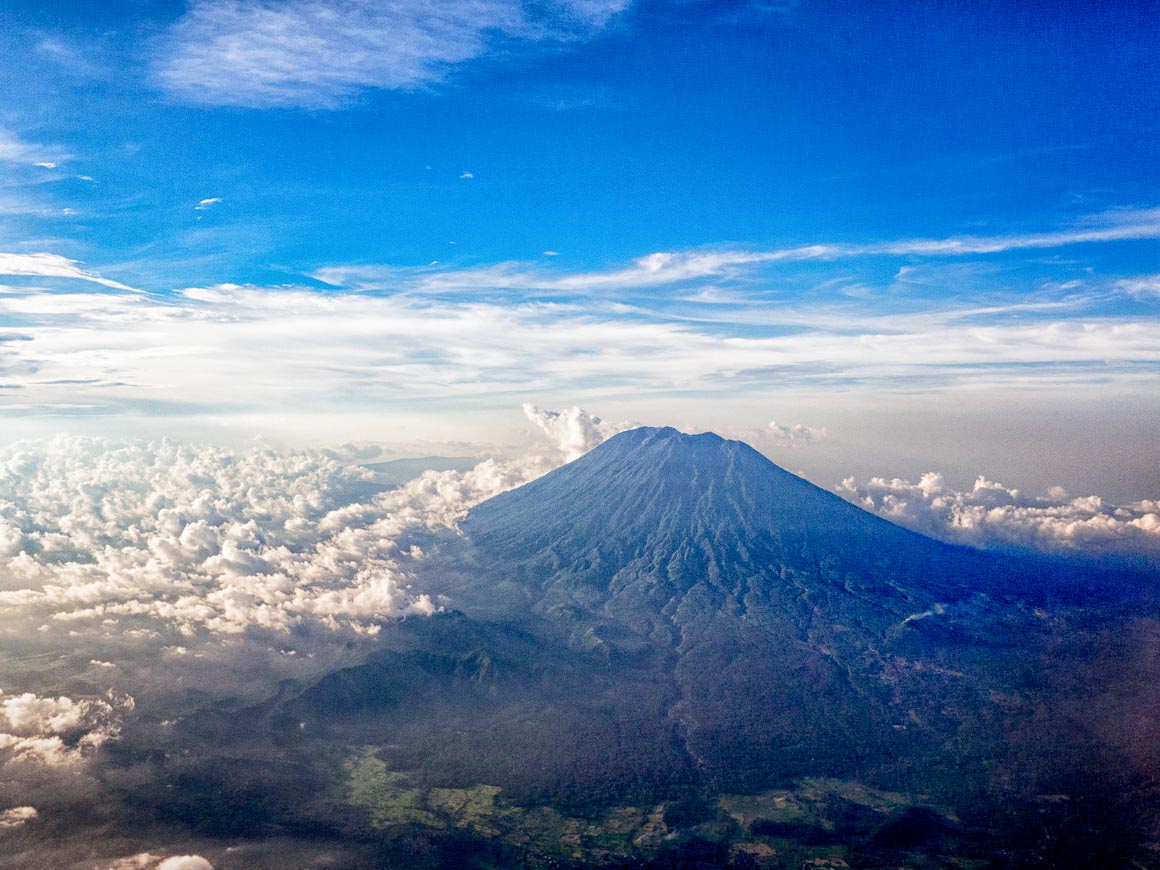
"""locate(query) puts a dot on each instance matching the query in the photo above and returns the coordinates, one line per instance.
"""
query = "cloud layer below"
(990, 515)
(142, 536)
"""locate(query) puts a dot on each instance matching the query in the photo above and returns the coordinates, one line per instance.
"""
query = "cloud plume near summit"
(574, 431)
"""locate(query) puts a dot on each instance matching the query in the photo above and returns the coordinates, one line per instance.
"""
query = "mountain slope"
(654, 520)
(799, 632)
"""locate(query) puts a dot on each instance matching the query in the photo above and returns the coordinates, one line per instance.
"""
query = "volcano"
(799, 633)
(672, 629)
(654, 521)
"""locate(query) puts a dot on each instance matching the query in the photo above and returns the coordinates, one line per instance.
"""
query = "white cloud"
(27, 714)
(14, 817)
(185, 862)
(206, 204)
(323, 53)
(667, 268)
(140, 861)
(245, 350)
(57, 732)
(574, 432)
(205, 540)
(51, 266)
(653, 270)
(991, 515)
(1124, 225)
(467, 175)
(1146, 286)
(45, 164)
(150, 861)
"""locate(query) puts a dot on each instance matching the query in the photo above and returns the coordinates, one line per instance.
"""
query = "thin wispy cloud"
(207, 204)
(13, 149)
(653, 270)
(45, 265)
(1143, 287)
(666, 268)
(1119, 226)
(242, 350)
(321, 54)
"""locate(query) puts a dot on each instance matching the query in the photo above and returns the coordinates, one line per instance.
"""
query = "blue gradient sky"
(931, 226)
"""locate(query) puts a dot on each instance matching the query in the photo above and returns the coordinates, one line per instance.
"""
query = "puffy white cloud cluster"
(149, 861)
(991, 515)
(57, 732)
(14, 817)
(185, 862)
(574, 432)
(203, 538)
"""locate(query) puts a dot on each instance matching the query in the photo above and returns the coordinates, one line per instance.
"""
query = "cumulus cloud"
(323, 53)
(185, 862)
(206, 204)
(201, 539)
(574, 432)
(140, 861)
(991, 515)
(150, 861)
(57, 732)
(14, 817)
(51, 266)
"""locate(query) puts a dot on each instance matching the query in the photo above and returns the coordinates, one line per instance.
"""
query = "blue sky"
(322, 218)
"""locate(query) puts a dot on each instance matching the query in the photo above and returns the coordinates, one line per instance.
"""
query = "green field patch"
(393, 800)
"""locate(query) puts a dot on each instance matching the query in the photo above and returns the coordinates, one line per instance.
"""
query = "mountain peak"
(657, 513)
